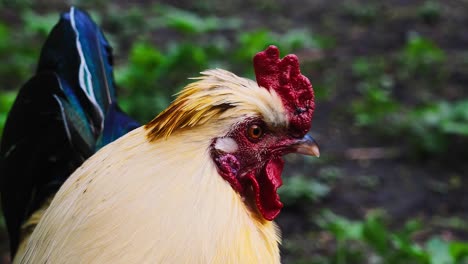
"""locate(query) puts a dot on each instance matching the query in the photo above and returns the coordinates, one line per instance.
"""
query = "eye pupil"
(255, 132)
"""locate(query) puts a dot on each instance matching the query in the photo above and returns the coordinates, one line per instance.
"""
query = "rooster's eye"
(255, 132)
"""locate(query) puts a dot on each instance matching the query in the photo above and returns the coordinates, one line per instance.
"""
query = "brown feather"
(213, 97)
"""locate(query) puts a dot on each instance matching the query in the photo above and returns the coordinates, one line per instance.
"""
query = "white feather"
(135, 202)
(226, 144)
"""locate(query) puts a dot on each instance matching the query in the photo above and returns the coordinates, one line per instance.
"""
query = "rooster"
(197, 184)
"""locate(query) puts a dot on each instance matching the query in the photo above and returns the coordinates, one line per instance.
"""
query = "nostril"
(300, 110)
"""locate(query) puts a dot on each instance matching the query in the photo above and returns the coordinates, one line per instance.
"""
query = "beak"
(307, 146)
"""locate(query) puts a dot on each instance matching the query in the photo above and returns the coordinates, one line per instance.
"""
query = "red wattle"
(265, 187)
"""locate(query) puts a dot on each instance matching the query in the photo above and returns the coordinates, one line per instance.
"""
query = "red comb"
(295, 90)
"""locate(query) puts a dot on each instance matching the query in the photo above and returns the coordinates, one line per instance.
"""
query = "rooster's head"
(249, 126)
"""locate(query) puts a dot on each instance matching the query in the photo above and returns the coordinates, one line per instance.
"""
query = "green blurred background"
(390, 80)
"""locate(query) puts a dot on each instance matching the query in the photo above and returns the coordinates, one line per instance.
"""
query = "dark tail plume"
(61, 116)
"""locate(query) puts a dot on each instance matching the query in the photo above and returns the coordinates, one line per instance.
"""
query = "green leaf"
(299, 188)
(6, 102)
(252, 42)
(439, 251)
(191, 23)
(376, 234)
(342, 228)
(298, 39)
(38, 23)
(5, 38)
(420, 56)
(453, 127)
(7, 98)
(458, 250)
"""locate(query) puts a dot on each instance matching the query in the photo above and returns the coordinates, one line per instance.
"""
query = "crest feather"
(218, 94)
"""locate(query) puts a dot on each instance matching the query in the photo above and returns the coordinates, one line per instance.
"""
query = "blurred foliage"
(376, 86)
(153, 74)
(420, 57)
(429, 128)
(38, 24)
(6, 102)
(371, 239)
(251, 42)
(298, 189)
(18, 58)
(191, 23)
(430, 11)
(363, 14)
(433, 126)
(149, 77)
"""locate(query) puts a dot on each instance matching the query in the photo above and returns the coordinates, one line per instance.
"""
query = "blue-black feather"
(61, 116)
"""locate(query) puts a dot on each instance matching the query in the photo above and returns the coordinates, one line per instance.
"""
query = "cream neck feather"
(159, 202)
